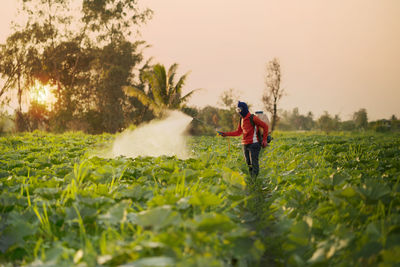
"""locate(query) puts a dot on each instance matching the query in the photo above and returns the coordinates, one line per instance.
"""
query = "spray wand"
(202, 122)
(208, 125)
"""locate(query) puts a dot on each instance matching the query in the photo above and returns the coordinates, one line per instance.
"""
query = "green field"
(319, 200)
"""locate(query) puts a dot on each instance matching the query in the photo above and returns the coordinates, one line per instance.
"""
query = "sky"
(336, 56)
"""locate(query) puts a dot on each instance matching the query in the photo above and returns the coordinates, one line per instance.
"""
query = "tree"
(37, 116)
(348, 126)
(309, 121)
(163, 92)
(230, 117)
(19, 62)
(360, 119)
(273, 92)
(229, 99)
(87, 57)
(111, 20)
(327, 124)
(295, 121)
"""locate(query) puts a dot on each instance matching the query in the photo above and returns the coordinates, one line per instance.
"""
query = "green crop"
(319, 200)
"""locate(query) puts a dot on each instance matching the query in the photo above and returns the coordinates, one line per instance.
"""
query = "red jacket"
(249, 132)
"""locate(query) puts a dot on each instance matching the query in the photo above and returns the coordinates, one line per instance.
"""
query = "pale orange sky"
(338, 56)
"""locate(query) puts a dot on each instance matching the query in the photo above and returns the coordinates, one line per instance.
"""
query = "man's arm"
(238, 132)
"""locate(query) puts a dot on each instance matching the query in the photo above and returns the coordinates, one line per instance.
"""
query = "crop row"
(59, 206)
(319, 200)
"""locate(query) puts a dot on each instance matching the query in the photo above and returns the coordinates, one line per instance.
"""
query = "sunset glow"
(41, 94)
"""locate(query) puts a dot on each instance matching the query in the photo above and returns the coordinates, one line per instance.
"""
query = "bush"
(6, 123)
(21, 122)
(382, 128)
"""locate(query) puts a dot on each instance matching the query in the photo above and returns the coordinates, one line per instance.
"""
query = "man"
(251, 144)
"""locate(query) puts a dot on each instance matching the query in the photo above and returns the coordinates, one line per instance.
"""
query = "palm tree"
(163, 92)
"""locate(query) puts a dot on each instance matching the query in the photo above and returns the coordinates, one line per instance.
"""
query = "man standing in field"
(248, 126)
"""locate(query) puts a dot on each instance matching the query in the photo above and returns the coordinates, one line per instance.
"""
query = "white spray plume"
(157, 138)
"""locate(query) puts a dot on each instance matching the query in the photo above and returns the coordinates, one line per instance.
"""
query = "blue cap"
(243, 109)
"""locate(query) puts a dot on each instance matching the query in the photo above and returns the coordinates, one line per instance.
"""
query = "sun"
(42, 93)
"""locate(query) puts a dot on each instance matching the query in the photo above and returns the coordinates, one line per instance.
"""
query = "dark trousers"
(251, 153)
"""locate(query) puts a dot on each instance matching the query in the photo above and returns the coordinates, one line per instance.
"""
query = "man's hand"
(264, 143)
(221, 133)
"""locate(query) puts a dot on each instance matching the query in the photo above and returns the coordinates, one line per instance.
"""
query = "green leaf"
(158, 218)
(242, 246)
(373, 231)
(115, 214)
(370, 249)
(318, 256)
(299, 233)
(373, 190)
(204, 199)
(212, 222)
(347, 192)
(338, 179)
(48, 192)
(4, 174)
(14, 234)
(391, 255)
(234, 178)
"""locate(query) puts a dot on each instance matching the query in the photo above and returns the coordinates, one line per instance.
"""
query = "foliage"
(319, 200)
(229, 99)
(6, 123)
(348, 125)
(392, 125)
(87, 56)
(327, 123)
(209, 119)
(337, 199)
(164, 93)
(360, 119)
(59, 206)
(293, 120)
(19, 62)
(38, 116)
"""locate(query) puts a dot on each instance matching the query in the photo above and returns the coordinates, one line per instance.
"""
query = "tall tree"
(327, 123)
(360, 119)
(273, 91)
(163, 91)
(86, 56)
(20, 61)
(229, 100)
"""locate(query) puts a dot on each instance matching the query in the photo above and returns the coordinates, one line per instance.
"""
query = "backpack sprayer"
(264, 118)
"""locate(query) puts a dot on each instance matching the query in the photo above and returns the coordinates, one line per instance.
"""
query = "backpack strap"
(252, 120)
(259, 136)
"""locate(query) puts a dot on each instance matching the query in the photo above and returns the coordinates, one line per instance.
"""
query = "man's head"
(242, 109)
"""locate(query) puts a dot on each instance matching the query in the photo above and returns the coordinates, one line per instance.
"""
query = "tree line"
(225, 118)
(294, 121)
